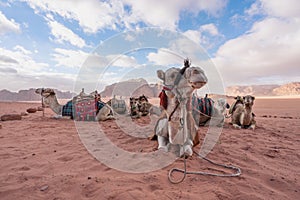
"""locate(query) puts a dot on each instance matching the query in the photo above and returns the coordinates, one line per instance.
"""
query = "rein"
(185, 172)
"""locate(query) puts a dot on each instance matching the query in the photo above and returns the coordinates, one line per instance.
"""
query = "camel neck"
(248, 108)
(54, 105)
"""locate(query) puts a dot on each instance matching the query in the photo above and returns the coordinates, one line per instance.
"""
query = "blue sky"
(45, 43)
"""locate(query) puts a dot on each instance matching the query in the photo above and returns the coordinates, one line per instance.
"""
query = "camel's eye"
(172, 76)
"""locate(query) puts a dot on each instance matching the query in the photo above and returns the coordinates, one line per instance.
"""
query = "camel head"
(188, 78)
(46, 93)
(248, 100)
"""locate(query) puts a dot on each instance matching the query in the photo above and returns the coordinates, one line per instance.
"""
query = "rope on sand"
(185, 172)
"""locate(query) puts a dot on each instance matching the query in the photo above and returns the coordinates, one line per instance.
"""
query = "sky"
(69, 44)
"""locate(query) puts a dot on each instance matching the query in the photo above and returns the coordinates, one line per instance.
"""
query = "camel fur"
(242, 116)
(176, 125)
(50, 100)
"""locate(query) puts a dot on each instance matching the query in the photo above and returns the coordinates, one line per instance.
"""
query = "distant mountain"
(30, 95)
(137, 87)
(132, 88)
(289, 89)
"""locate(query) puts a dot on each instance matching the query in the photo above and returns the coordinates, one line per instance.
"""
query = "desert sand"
(44, 158)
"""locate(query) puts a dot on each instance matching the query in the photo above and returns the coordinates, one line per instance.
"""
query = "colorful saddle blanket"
(203, 105)
(67, 109)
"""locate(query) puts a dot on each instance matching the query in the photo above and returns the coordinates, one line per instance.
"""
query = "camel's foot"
(185, 150)
(111, 117)
(163, 148)
(252, 127)
(135, 116)
(57, 116)
(162, 143)
(236, 126)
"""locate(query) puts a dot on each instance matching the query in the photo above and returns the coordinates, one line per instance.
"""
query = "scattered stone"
(24, 113)
(0, 126)
(40, 108)
(33, 154)
(89, 178)
(8, 117)
(31, 110)
(45, 187)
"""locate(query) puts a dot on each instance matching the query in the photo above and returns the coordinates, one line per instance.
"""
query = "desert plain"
(44, 158)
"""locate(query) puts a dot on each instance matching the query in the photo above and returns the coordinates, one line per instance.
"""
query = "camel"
(49, 99)
(139, 106)
(176, 124)
(242, 115)
(118, 105)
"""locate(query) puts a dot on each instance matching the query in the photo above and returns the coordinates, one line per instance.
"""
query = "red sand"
(43, 158)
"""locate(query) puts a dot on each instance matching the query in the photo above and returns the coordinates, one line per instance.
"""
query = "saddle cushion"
(203, 105)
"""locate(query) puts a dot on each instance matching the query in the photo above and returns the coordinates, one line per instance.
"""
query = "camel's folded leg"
(253, 124)
(236, 126)
(57, 116)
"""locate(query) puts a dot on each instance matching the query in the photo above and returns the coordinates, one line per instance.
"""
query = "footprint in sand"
(65, 158)
(24, 168)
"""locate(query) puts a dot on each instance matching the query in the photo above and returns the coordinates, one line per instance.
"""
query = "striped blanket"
(67, 109)
(202, 105)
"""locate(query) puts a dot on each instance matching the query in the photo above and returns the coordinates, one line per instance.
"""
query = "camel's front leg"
(104, 114)
(57, 116)
(162, 143)
(161, 130)
(236, 126)
(186, 149)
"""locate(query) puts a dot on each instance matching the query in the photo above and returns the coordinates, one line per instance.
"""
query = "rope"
(185, 172)
(43, 106)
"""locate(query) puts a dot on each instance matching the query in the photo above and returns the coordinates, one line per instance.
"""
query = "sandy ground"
(44, 158)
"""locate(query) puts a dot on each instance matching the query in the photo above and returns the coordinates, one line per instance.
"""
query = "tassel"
(163, 99)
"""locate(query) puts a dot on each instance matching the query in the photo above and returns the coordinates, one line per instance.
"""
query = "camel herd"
(180, 112)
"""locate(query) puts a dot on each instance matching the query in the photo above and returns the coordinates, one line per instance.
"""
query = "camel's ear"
(161, 74)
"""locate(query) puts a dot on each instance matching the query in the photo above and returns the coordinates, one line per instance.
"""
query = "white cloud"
(123, 60)
(212, 7)
(164, 57)
(63, 34)
(78, 58)
(92, 15)
(254, 9)
(7, 25)
(69, 58)
(210, 28)
(206, 35)
(271, 48)
(166, 14)
(279, 8)
(20, 59)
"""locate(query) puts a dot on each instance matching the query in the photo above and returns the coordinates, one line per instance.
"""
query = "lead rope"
(237, 169)
(43, 106)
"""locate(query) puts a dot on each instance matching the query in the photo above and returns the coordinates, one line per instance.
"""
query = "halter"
(187, 64)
